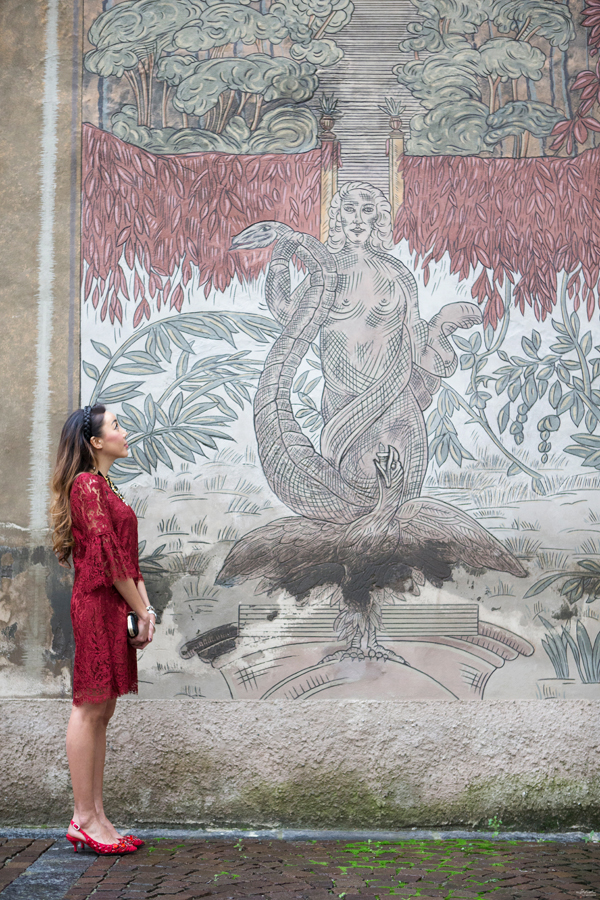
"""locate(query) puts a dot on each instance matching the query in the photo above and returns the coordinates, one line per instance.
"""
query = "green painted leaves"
(528, 379)
(445, 441)
(189, 416)
(458, 81)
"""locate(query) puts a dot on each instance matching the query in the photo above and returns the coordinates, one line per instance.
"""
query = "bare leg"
(84, 735)
(99, 770)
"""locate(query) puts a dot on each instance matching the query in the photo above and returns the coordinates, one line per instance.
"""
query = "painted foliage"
(363, 417)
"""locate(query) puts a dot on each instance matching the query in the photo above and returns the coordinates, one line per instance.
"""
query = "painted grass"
(501, 589)
(523, 547)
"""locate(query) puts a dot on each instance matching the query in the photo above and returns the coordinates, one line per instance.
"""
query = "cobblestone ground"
(250, 869)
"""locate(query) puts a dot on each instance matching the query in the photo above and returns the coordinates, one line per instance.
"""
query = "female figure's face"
(358, 214)
(112, 437)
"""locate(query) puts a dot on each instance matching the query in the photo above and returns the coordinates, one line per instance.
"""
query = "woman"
(93, 523)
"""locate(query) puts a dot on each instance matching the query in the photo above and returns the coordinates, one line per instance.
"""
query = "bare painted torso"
(364, 328)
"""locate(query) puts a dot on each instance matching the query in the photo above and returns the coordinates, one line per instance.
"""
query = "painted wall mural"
(364, 412)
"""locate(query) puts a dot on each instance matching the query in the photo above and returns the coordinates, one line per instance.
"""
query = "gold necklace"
(114, 488)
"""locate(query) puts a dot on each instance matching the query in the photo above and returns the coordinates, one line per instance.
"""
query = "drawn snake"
(333, 485)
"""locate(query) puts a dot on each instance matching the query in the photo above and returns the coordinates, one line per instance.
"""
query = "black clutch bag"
(132, 625)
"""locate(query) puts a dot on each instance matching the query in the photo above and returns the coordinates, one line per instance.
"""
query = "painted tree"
(239, 69)
(472, 51)
(576, 130)
(526, 230)
(130, 39)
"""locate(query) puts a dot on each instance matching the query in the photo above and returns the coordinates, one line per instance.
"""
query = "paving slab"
(42, 870)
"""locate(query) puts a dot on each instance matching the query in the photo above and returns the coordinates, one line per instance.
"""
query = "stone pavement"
(251, 869)
(17, 855)
(39, 869)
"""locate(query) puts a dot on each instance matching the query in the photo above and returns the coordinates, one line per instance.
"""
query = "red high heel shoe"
(118, 847)
(133, 840)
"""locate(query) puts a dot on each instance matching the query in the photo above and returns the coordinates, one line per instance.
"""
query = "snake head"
(257, 236)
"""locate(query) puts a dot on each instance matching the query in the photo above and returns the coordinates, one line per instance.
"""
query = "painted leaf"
(504, 417)
(90, 370)
(140, 458)
(175, 407)
(160, 450)
(176, 446)
(102, 349)
(116, 393)
(136, 416)
(150, 410)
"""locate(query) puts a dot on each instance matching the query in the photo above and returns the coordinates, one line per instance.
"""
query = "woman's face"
(113, 437)
(358, 215)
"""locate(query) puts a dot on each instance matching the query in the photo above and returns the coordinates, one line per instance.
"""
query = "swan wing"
(454, 536)
(281, 551)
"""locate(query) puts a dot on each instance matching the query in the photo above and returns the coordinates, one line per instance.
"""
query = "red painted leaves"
(171, 213)
(525, 220)
(591, 19)
(571, 132)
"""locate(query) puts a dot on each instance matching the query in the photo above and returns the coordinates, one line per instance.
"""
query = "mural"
(363, 412)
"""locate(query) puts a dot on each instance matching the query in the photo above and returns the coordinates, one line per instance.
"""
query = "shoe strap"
(75, 825)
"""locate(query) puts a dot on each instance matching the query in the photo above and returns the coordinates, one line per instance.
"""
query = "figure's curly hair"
(382, 235)
(75, 454)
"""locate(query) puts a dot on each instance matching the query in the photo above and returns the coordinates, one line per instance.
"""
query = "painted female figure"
(93, 524)
(381, 361)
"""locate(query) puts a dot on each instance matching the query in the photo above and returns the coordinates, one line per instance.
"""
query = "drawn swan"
(396, 546)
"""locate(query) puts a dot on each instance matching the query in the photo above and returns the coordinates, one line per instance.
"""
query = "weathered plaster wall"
(317, 764)
(39, 347)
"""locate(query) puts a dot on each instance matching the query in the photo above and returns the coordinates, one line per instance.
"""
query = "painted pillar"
(329, 172)
(395, 153)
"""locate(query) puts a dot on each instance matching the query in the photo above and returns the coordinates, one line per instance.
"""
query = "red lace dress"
(105, 550)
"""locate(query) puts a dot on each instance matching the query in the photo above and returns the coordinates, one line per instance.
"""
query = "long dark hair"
(75, 454)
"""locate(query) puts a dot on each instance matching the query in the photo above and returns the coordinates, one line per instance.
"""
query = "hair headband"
(87, 423)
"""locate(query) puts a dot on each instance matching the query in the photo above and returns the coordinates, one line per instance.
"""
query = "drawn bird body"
(394, 546)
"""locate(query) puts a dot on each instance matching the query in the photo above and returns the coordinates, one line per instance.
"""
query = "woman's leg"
(99, 770)
(84, 737)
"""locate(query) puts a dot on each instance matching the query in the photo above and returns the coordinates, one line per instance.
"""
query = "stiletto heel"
(118, 847)
(73, 841)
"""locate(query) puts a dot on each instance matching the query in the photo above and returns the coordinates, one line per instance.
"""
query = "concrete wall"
(375, 750)
(319, 764)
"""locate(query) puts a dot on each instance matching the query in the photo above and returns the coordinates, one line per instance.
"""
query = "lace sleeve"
(103, 560)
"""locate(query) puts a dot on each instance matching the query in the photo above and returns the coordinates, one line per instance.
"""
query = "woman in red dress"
(93, 524)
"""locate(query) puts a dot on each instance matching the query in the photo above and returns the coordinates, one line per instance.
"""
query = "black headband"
(87, 423)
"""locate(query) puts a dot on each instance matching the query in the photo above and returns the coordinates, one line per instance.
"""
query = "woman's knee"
(93, 712)
(109, 710)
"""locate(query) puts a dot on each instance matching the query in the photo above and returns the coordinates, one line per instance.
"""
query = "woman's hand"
(145, 632)
(137, 600)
